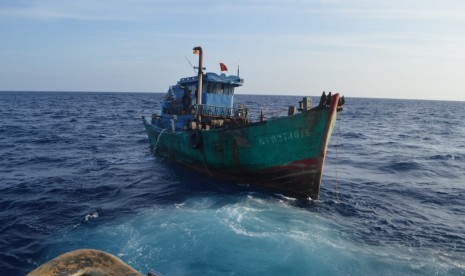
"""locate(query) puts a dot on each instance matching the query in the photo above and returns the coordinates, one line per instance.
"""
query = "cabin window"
(214, 88)
(209, 87)
(217, 88)
(220, 88)
(227, 90)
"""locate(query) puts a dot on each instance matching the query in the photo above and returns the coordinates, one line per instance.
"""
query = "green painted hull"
(286, 154)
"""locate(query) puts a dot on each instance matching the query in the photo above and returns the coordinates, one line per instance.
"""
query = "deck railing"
(219, 111)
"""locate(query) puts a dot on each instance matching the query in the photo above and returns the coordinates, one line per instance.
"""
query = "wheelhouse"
(217, 99)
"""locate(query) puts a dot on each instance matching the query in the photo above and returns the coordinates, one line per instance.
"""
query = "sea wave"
(76, 171)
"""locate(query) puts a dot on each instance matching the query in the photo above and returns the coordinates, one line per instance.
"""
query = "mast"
(198, 50)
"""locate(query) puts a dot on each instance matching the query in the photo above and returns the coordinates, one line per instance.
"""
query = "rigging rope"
(208, 170)
(337, 145)
(158, 139)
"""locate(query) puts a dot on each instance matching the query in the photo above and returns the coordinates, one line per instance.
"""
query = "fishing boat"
(202, 128)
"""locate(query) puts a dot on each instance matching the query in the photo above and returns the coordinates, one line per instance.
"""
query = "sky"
(407, 49)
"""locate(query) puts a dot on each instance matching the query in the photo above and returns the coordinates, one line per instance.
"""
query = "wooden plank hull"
(286, 154)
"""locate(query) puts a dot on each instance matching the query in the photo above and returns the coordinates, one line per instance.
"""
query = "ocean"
(76, 171)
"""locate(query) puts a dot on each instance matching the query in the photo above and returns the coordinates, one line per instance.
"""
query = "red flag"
(223, 67)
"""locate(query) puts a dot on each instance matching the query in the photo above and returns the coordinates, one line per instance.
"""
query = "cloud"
(74, 10)
(136, 10)
(105, 10)
(387, 13)
(40, 14)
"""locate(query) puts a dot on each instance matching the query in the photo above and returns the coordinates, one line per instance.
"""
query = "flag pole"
(198, 50)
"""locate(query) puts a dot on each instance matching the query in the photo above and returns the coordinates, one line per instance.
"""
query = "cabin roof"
(213, 77)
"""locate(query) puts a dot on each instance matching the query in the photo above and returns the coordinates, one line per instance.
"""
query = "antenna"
(193, 68)
(238, 68)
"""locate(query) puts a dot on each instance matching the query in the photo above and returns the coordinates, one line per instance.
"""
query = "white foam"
(91, 216)
(179, 205)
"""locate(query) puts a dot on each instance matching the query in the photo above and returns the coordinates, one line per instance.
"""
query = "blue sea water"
(76, 171)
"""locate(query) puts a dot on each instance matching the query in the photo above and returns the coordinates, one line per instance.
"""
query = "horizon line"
(242, 94)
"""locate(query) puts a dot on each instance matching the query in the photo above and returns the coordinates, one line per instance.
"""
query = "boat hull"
(286, 154)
